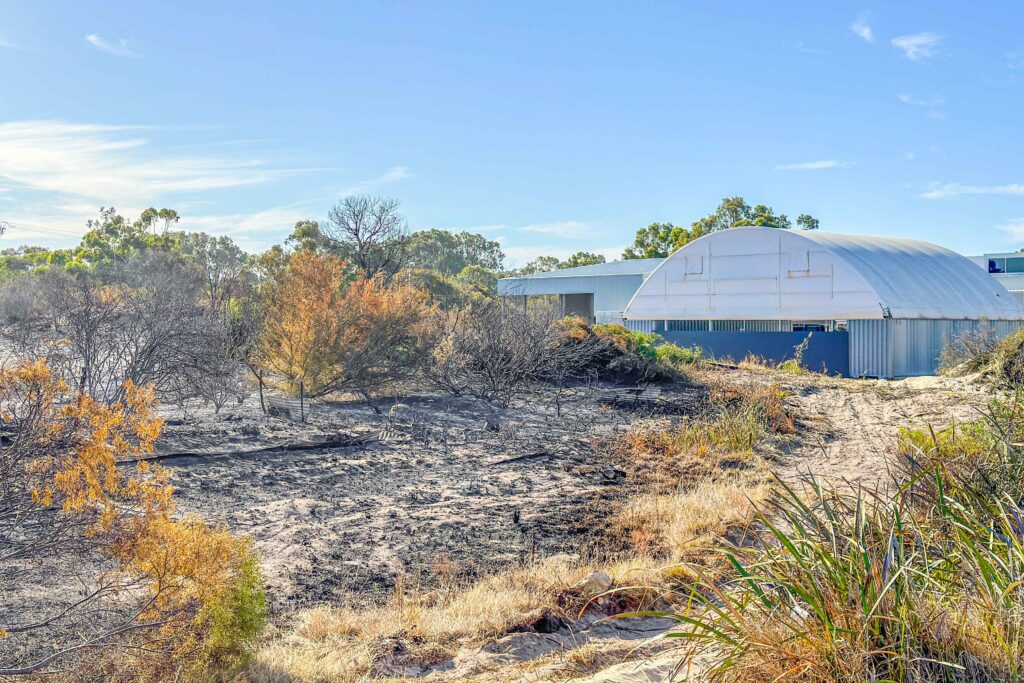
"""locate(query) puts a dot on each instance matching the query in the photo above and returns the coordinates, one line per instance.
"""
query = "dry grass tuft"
(415, 630)
(696, 483)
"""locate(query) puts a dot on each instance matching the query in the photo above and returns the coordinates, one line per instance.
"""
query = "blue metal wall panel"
(826, 351)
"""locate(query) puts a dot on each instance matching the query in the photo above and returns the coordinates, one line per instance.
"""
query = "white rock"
(595, 583)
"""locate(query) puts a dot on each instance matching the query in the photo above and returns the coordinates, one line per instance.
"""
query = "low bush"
(852, 586)
(999, 362)
(628, 356)
(923, 584)
(677, 357)
(985, 457)
(968, 352)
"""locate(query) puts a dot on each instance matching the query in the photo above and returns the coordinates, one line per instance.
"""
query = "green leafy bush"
(233, 622)
(676, 356)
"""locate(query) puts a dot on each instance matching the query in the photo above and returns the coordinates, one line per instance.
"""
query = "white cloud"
(1014, 227)
(393, 174)
(561, 229)
(119, 49)
(862, 29)
(918, 47)
(922, 101)
(6, 44)
(812, 165)
(810, 50)
(948, 190)
(54, 175)
(113, 163)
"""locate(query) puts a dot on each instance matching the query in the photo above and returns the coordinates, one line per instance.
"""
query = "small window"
(694, 265)
(997, 265)
(1015, 265)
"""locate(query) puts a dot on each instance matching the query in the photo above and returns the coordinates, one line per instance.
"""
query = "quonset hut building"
(876, 306)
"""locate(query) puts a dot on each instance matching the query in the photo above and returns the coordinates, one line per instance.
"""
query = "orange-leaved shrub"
(331, 334)
(79, 508)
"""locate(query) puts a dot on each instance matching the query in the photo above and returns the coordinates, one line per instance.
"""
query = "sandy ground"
(443, 497)
(849, 427)
(440, 497)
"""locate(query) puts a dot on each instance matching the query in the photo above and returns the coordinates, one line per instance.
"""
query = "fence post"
(302, 400)
(263, 407)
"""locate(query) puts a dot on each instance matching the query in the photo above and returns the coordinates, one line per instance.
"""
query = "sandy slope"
(849, 427)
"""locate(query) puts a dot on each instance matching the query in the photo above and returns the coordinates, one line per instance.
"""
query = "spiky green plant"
(848, 585)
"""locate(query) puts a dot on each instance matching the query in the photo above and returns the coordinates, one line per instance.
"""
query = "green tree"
(306, 236)
(807, 222)
(541, 264)
(582, 258)
(478, 280)
(26, 259)
(658, 240)
(220, 261)
(112, 239)
(450, 252)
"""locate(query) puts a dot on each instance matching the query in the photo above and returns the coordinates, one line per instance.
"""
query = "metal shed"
(598, 292)
(877, 306)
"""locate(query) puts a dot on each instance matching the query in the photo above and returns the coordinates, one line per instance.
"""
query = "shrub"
(795, 365)
(968, 352)
(235, 619)
(983, 456)
(676, 356)
(154, 591)
(851, 586)
(331, 334)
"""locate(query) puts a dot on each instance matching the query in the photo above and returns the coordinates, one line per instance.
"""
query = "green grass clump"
(854, 586)
(678, 356)
(922, 584)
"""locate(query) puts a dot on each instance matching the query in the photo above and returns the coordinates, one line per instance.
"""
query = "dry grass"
(419, 629)
(677, 525)
(695, 483)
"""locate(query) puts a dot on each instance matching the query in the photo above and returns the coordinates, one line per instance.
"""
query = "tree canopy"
(451, 252)
(658, 240)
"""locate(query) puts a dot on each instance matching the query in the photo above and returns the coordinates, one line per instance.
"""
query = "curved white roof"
(769, 274)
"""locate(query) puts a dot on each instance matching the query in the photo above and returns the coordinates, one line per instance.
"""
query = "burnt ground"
(440, 497)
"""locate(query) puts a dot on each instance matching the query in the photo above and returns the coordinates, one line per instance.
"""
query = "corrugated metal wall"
(611, 292)
(908, 348)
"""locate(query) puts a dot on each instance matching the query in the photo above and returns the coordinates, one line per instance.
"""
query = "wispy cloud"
(1014, 227)
(60, 173)
(1014, 60)
(812, 165)
(6, 44)
(862, 29)
(393, 174)
(561, 229)
(922, 101)
(119, 49)
(949, 190)
(918, 47)
(803, 47)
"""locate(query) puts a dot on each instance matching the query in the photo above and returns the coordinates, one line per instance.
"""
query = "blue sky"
(552, 126)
